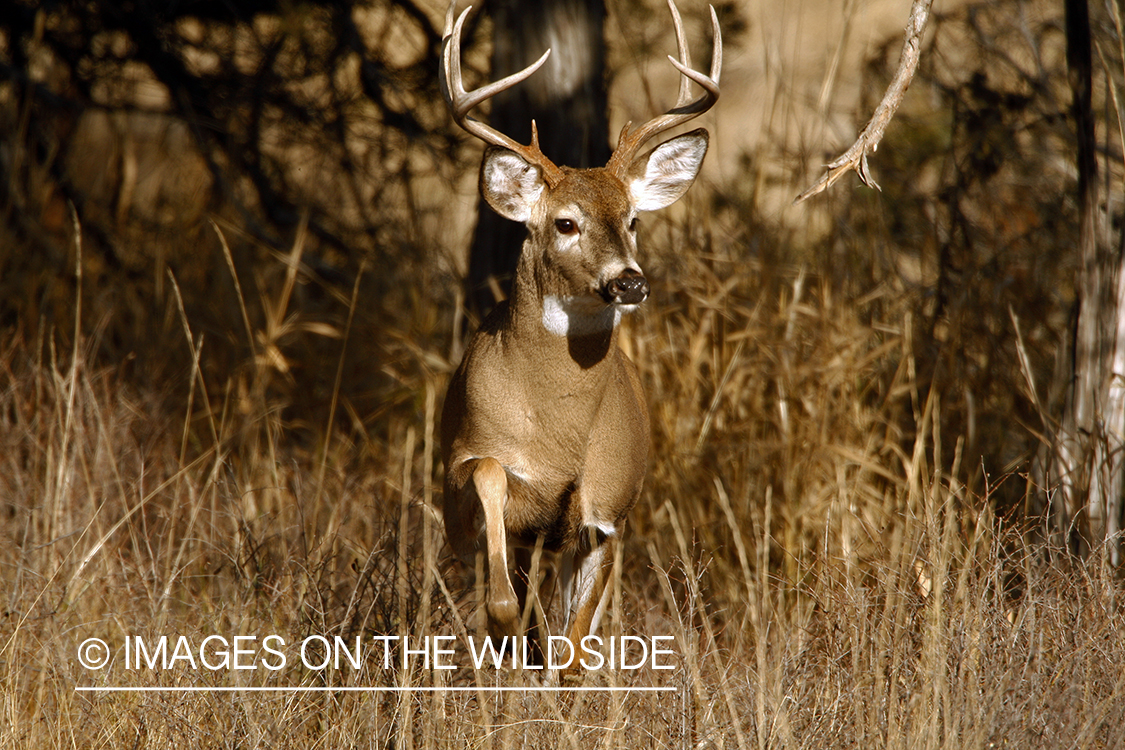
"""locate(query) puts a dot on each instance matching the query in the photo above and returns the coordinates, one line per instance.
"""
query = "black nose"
(630, 288)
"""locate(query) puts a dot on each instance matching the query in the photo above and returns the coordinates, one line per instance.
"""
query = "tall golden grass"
(827, 577)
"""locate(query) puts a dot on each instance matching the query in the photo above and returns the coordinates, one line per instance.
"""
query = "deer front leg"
(491, 485)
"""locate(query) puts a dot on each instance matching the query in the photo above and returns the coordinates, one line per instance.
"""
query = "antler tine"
(685, 55)
(461, 102)
(630, 141)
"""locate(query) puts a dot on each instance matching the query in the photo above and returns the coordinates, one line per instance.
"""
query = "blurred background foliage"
(163, 123)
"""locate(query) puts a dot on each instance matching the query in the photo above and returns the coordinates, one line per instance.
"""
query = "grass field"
(213, 441)
(826, 582)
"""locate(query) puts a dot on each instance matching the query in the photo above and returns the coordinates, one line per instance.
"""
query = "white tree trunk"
(1085, 468)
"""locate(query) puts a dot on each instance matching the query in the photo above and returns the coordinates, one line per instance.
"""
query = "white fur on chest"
(573, 316)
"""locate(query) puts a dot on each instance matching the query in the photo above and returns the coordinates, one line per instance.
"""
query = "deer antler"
(631, 141)
(460, 102)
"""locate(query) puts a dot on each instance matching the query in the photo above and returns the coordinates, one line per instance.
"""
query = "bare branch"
(868, 141)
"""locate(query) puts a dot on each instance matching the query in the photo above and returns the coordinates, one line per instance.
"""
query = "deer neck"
(580, 333)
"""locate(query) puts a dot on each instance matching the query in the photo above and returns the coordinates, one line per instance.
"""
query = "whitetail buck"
(545, 430)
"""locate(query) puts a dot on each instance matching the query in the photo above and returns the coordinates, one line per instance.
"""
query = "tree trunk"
(1084, 476)
(566, 98)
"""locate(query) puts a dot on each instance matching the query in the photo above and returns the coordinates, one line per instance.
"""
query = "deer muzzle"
(630, 288)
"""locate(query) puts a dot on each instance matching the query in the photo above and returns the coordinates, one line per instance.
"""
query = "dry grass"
(828, 583)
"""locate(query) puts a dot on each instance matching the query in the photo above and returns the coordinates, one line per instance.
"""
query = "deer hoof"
(503, 616)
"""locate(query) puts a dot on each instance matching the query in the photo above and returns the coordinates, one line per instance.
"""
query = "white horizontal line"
(260, 689)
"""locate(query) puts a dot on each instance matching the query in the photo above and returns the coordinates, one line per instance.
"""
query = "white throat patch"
(576, 316)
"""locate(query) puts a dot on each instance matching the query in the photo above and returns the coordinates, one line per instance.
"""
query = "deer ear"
(661, 177)
(510, 184)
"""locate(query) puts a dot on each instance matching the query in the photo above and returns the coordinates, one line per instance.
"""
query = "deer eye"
(633, 224)
(566, 226)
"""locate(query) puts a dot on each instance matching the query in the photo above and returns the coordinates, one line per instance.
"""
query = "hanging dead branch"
(868, 140)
